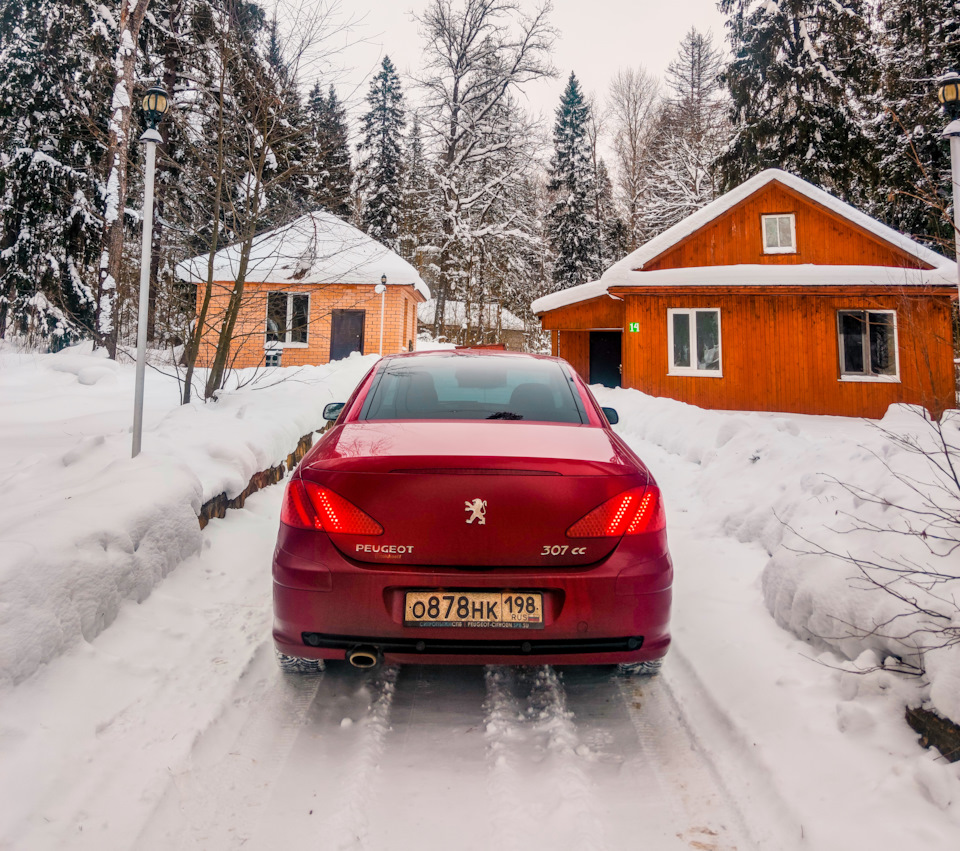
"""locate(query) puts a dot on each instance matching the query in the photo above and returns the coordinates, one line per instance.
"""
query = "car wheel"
(640, 669)
(298, 665)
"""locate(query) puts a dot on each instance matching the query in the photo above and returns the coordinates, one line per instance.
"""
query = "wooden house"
(775, 297)
(310, 296)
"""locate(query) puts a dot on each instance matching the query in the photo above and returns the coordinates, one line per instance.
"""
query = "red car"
(472, 507)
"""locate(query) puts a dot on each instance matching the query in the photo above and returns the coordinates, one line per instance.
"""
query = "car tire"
(298, 665)
(640, 669)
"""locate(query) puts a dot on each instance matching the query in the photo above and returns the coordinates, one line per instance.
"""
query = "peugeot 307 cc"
(471, 506)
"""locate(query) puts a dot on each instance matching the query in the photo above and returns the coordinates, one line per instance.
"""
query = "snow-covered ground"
(85, 527)
(172, 728)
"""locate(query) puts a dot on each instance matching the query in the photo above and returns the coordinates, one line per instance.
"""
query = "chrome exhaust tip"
(364, 657)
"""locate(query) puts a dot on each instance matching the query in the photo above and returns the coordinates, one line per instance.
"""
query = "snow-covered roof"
(571, 295)
(629, 270)
(454, 312)
(800, 275)
(318, 248)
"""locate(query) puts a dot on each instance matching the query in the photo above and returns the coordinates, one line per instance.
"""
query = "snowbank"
(85, 527)
(813, 489)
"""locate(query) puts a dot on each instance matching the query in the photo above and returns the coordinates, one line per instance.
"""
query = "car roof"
(473, 352)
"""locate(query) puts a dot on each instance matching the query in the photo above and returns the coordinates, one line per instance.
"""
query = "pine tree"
(573, 227)
(334, 189)
(381, 157)
(798, 77)
(920, 39)
(54, 77)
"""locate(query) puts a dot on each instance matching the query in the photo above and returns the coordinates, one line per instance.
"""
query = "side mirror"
(611, 414)
(332, 411)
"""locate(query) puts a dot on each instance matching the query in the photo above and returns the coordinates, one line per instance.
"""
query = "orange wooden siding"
(780, 353)
(574, 323)
(399, 326)
(823, 238)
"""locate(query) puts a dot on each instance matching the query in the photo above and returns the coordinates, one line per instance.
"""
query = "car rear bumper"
(325, 605)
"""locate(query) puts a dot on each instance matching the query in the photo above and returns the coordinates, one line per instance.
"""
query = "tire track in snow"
(736, 771)
(540, 788)
(351, 821)
(248, 774)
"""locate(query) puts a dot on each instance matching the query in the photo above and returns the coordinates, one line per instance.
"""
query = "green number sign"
(634, 327)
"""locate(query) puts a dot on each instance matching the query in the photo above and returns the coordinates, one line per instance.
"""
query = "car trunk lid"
(474, 495)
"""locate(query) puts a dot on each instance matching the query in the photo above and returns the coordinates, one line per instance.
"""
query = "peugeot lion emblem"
(478, 511)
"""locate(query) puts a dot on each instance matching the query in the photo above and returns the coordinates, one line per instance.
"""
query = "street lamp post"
(155, 104)
(948, 92)
(381, 288)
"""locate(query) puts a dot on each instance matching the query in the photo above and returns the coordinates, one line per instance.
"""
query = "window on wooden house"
(868, 344)
(288, 318)
(694, 341)
(780, 234)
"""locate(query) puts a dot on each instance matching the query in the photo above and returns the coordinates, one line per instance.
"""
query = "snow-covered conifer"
(380, 169)
(334, 190)
(54, 77)
(920, 39)
(573, 226)
(799, 73)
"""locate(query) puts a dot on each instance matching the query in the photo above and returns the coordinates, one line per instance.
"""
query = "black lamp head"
(155, 104)
(948, 93)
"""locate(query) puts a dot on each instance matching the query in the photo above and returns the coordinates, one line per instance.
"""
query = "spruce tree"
(54, 81)
(798, 77)
(381, 157)
(920, 39)
(572, 221)
(334, 189)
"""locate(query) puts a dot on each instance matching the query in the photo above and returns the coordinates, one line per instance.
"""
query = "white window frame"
(867, 376)
(673, 369)
(285, 344)
(779, 249)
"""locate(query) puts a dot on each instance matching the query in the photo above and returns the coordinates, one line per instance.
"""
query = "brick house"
(309, 296)
(774, 297)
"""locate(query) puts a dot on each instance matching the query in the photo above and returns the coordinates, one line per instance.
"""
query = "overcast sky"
(596, 37)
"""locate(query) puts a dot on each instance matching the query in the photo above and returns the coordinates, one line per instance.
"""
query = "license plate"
(518, 609)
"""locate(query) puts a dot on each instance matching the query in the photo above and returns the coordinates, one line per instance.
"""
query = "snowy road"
(182, 733)
(430, 758)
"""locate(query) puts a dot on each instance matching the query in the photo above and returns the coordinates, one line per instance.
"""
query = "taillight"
(632, 512)
(307, 505)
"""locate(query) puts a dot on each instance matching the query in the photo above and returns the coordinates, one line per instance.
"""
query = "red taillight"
(307, 505)
(632, 512)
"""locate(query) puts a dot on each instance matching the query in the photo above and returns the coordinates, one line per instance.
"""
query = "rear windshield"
(474, 387)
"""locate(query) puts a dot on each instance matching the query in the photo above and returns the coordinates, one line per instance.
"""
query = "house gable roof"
(318, 248)
(636, 260)
(628, 272)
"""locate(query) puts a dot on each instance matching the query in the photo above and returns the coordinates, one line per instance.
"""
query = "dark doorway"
(346, 333)
(605, 358)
